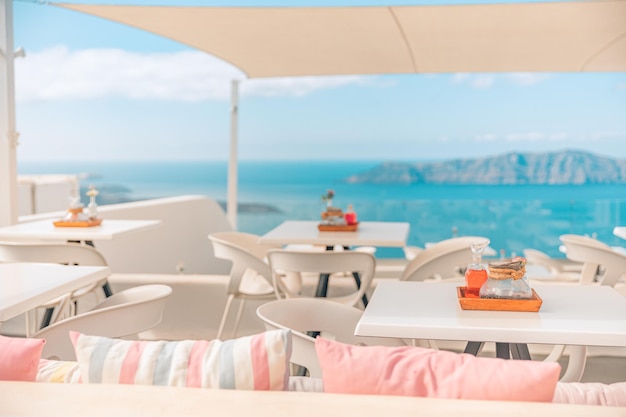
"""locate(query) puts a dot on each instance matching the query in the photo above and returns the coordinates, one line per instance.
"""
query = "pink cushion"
(257, 362)
(424, 372)
(19, 358)
(591, 393)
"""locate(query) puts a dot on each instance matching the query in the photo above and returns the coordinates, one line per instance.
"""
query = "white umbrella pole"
(8, 133)
(231, 203)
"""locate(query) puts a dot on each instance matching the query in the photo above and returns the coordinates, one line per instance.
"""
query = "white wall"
(45, 193)
(182, 240)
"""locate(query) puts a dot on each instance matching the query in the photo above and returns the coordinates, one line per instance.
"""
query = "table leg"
(357, 279)
(301, 371)
(107, 289)
(322, 285)
(47, 317)
(473, 348)
(503, 350)
(520, 351)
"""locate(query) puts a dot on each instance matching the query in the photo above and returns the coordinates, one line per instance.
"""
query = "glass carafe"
(476, 273)
(507, 279)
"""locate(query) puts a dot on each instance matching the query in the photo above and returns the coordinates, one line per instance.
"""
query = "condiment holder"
(75, 215)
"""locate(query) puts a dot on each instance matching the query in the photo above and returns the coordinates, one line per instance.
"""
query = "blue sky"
(93, 89)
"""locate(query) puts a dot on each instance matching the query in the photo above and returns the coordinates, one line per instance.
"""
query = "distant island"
(565, 167)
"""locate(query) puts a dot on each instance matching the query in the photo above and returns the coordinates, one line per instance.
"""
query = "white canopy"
(297, 41)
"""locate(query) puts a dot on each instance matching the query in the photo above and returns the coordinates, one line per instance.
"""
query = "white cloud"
(564, 137)
(608, 135)
(526, 137)
(483, 81)
(487, 80)
(486, 137)
(60, 74)
(557, 137)
(300, 86)
(460, 77)
(527, 78)
(474, 80)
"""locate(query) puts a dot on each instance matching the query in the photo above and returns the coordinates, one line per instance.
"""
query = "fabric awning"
(299, 41)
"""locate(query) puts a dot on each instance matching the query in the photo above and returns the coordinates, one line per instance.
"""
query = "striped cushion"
(258, 362)
(58, 371)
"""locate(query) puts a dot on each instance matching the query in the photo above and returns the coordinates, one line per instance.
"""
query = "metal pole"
(8, 133)
(231, 203)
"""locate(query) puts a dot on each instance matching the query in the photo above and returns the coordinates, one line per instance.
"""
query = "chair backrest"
(594, 253)
(537, 257)
(286, 262)
(583, 240)
(123, 314)
(245, 252)
(301, 315)
(444, 259)
(559, 269)
(61, 253)
(410, 252)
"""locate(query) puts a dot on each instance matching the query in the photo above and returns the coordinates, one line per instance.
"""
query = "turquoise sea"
(513, 217)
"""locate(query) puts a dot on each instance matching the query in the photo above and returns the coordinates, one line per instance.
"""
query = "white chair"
(324, 264)
(410, 252)
(124, 314)
(250, 276)
(443, 260)
(332, 320)
(558, 269)
(595, 256)
(61, 253)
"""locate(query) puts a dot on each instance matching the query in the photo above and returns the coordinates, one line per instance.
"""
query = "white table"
(569, 315)
(44, 230)
(384, 234)
(572, 315)
(387, 234)
(25, 286)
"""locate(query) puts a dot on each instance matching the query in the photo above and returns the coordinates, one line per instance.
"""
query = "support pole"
(8, 132)
(231, 203)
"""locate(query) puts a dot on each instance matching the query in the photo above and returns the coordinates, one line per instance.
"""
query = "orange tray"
(498, 304)
(337, 227)
(90, 223)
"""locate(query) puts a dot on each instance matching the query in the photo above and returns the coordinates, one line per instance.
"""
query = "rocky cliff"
(566, 167)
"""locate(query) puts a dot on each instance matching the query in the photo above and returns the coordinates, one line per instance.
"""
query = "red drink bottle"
(350, 215)
(476, 273)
